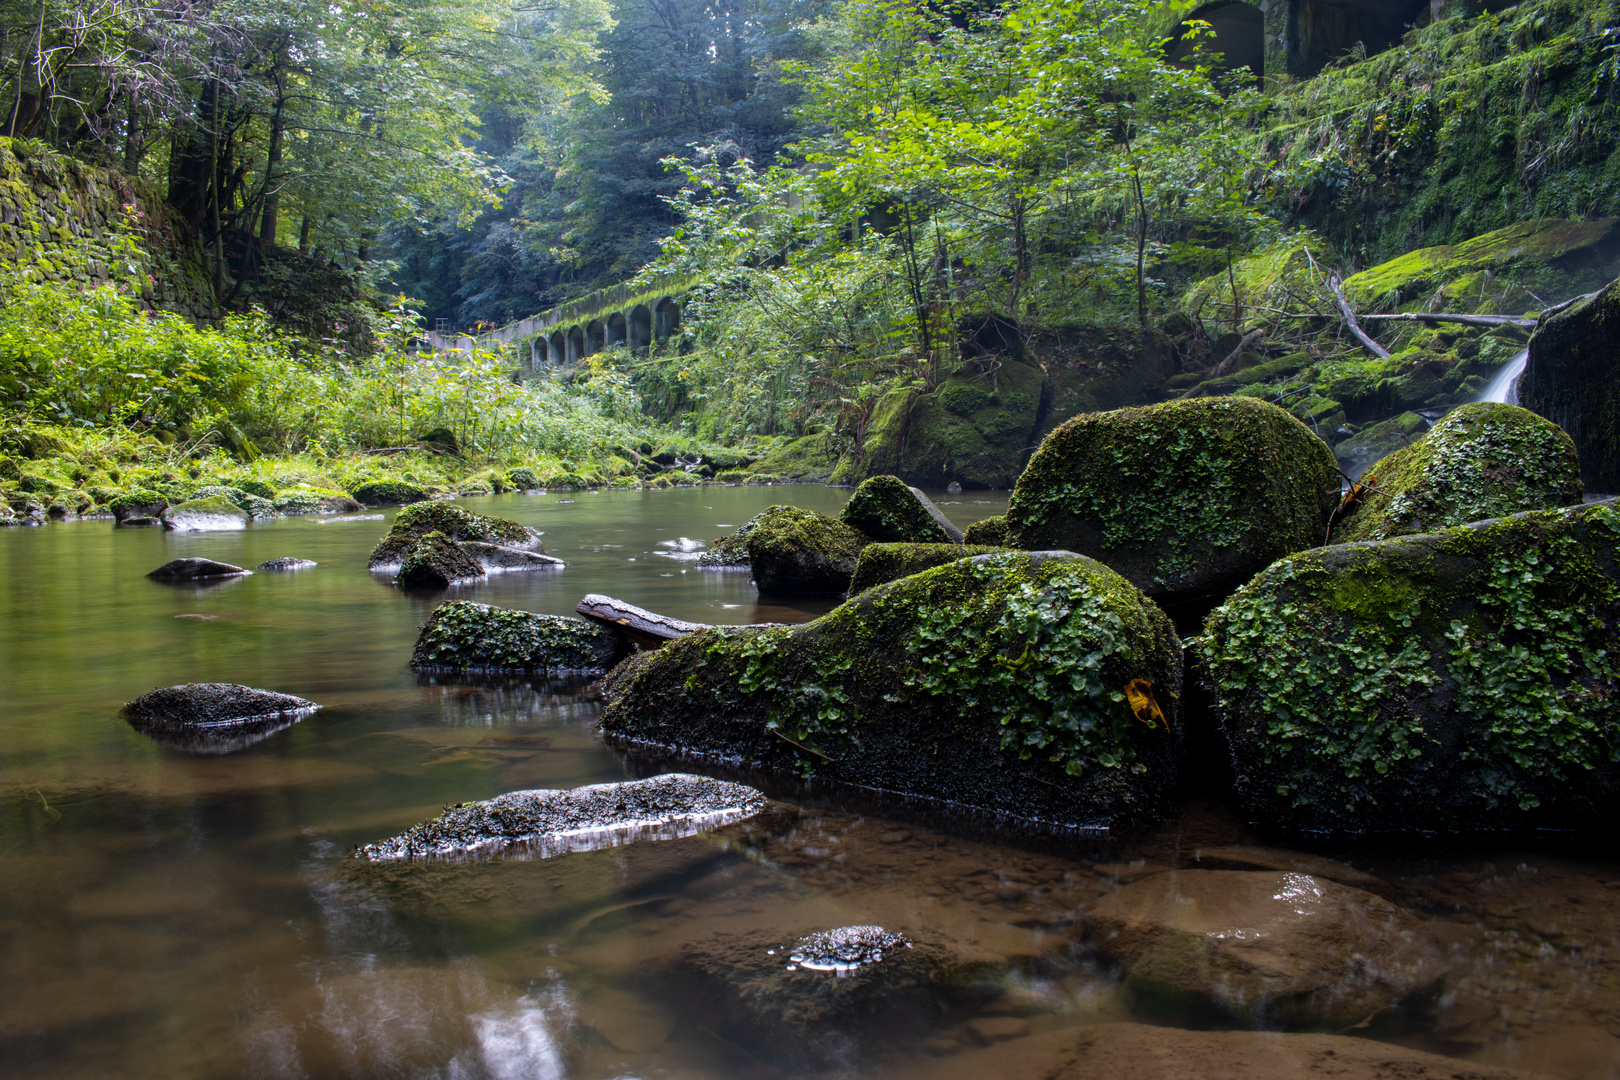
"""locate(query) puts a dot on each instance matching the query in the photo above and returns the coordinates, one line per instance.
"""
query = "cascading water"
(1505, 386)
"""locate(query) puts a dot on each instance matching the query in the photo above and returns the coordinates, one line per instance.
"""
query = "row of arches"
(639, 328)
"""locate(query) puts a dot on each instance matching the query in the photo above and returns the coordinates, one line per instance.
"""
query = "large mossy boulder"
(1483, 460)
(796, 552)
(1037, 684)
(1572, 377)
(419, 519)
(388, 493)
(1462, 679)
(463, 636)
(1184, 499)
(988, 532)
(880, 563)
(885, 509)
(436, 562)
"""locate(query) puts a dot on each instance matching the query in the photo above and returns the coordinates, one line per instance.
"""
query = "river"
(173, 914)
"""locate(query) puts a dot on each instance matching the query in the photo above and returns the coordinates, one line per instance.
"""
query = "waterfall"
(1505, 386)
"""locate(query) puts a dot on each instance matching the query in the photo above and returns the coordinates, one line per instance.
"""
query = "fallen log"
(1232, 358)
(1466, 320)
(645, 628)
(1350, 320)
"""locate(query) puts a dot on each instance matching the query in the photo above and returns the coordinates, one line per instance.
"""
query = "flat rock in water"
(194, 570)
(501, 557)
(1264, 947)
(287, 563)
(211, 705)
(553, 822)
(205, 515)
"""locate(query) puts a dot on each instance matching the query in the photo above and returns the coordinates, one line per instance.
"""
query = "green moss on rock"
(388, 493)
(881, 563)
(313, 500)
(419, 519)
(435, 561)
(998, 682)
(463, 636)
(1572, 379)
(1184, 498)
(988, 532)
(885, 509)
(1461, 679)
(796, 552)
(1483, 460)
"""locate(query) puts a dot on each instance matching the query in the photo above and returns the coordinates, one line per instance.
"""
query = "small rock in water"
(287, 563)
(203, 705)
(194, 570)
(550, 822)
(953, 488)
(845, 948)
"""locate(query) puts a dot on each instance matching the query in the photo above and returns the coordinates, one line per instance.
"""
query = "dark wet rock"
(307, 500)
(1263, 947)
(389, 493)
(746, 987)
(547, 822)
(890, 562)
(137, 504)
(1571, 378)
(988, 532)
(138, 522)
(463, 636)
(1184, 499)
(501, 557)
(884, 509)
(204, 515)
(1453, 680)
(287, 562)
(1484, 460)
(194, 570)
(419, 519)
(436, 562)
(796, 552)
(1377, 441)
(1151, 1052)
(195, 706)
(1002, 682)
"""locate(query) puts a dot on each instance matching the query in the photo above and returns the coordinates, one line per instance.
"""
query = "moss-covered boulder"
(419, 519)
(796, 552)
(1460, 679)
(138, 505)
(1041, 685)
(1483, 460)
(204, 515)
(463, 636)
(1185, 499)
(313, 500)
(988, 532)
(885, 509)
(891, 562)
(1572, 377)
(388, 493)
(249, 503)
(435, 561)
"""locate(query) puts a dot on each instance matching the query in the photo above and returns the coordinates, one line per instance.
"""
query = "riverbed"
(169, 913)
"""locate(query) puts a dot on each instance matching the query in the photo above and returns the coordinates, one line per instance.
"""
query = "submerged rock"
(463, 636)
(1461, 679)
(548, 822)
(205, 515)
(845, 948)
(885, 509)
(890, 562)
(1264, 948)
(1571, 378)
(419, 519)
(1185, 498)
(287, 562)
(988, 532)
(1036, 684)
(389, 493)
(1483, 460)
(194, 706)
(194, 570)
(436, 562)
(796, 552)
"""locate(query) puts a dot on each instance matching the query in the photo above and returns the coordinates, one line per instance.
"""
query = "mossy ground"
(1001, 682)
(1483, 460)
(1183, 498)
(1454, 680)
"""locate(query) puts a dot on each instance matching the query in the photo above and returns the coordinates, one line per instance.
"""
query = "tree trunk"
(272, 182)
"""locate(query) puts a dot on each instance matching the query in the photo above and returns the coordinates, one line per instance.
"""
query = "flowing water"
(1504, 385)
(174, 914)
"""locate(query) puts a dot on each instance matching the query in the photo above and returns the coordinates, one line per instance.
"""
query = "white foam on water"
(1504, 387)
(519, 1044)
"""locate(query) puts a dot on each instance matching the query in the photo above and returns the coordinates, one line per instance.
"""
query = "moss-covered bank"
(1462, 679)
(1040, 686)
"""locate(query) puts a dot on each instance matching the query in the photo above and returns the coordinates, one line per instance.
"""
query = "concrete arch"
(595, 337)
(576, 344)
(557, 349)
(640, 327)
(1240, 36)
(666, 319)
(617, 330)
